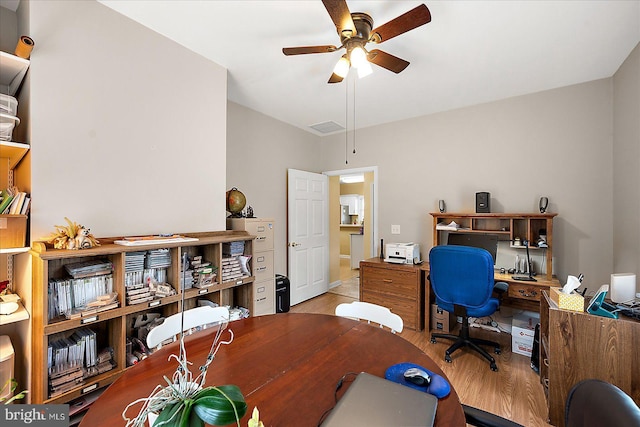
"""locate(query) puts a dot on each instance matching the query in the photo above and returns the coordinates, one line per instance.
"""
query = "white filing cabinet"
(264, 288)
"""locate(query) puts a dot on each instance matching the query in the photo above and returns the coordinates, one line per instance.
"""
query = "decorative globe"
(236, 201)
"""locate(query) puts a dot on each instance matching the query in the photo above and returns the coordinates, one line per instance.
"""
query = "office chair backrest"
(371, 313)
(193, 318)
(596, 403)
(461, 275)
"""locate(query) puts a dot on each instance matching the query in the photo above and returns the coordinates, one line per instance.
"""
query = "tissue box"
(573, 301)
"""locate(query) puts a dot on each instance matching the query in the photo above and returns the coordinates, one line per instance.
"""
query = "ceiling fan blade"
(388, 61)
(340, 15)
(408, 21)
(302, 50)
(335, 78)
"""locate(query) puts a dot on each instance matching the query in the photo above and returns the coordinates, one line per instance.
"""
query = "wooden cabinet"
(264, 288)
(112, 327)
(577, 345)
(399, 287)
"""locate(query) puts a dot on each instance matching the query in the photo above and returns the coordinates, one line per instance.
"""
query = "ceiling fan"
(355, 31)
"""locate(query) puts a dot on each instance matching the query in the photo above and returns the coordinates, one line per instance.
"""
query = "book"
(6, 201)
(25, 206)
(16, 205)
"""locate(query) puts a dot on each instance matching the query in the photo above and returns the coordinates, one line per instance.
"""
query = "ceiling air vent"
(326, 127)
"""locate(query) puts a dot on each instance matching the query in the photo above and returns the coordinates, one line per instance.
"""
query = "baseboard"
(335, 284)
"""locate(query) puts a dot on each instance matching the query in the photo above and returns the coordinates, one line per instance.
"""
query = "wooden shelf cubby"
(114, 325)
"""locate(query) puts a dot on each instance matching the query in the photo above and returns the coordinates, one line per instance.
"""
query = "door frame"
(374, 169)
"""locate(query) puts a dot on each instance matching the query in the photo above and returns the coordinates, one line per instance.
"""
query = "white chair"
(371, 313)
(193, 318)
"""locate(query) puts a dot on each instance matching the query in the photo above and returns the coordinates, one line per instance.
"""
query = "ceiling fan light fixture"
(364, 69)
(342, 67)
(358, 57)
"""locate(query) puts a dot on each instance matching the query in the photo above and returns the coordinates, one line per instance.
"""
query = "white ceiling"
(470, 53)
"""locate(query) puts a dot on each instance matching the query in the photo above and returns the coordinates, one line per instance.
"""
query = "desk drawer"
(525, 291)
(392, 282)
(404, 308)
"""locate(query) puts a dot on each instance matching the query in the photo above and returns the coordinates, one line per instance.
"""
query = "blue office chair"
(462, 281)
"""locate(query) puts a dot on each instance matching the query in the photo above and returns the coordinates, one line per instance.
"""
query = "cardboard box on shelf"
(522, 332)
(13, 231)
(441, 320)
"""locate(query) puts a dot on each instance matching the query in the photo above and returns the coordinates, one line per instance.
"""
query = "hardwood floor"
(513, 392)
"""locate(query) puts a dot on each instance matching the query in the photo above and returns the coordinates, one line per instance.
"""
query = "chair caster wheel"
(497, 350)
(447, 359)
(433, 340)
(494, 367)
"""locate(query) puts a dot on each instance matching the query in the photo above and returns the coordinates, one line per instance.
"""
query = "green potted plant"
(184, 402)
(13, 384)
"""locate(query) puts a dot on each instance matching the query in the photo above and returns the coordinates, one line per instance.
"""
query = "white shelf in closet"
(12, 72)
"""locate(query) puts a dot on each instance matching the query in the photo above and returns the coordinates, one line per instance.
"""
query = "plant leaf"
(186, 413)
(171, 412)
(221, 405)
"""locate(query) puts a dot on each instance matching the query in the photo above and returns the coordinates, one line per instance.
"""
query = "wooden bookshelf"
(113, 326)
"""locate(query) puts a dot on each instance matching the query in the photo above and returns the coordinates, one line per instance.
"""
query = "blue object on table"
(439, 387)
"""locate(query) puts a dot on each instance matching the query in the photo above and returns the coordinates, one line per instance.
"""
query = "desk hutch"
(521, 294)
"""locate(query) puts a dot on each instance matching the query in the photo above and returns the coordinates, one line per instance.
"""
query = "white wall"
(128, 129)
(556, 143)
(626, 172)
(260, 149)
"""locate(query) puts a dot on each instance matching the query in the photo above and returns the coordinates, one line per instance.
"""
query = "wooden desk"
(286, 364)
(521, 294)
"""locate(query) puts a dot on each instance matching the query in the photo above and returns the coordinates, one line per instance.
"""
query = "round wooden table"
(287, 365)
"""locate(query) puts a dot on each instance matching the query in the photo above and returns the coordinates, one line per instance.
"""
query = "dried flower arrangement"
(71, 236)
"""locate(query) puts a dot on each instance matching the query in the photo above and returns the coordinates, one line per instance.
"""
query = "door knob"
(294, 244)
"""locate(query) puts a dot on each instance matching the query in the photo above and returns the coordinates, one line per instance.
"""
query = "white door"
(307, 234)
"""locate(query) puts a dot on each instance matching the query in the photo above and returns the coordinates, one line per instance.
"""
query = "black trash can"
(283, 294)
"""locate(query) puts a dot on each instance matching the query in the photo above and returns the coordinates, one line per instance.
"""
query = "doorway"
(344, 275)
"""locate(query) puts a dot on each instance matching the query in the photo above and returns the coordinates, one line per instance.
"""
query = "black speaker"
(482, 202)
(544, 204)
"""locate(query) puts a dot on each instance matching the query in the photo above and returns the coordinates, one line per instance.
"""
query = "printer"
(402, 253)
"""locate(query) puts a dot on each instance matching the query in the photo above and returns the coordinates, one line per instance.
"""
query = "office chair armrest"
(479, 418)
(500, 287)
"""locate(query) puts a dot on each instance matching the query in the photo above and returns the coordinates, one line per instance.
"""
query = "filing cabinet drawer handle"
(261, 238)
(261, 268)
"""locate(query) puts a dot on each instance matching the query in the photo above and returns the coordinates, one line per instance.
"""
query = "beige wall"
(260, 149)
(128, 128)
(626, 170)
(556, 143)
(353, 188)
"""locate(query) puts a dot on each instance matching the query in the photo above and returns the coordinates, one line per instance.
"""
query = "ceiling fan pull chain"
(346, 122)
(354, 116)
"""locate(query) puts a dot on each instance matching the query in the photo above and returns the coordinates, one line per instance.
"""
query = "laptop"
(375, 401)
